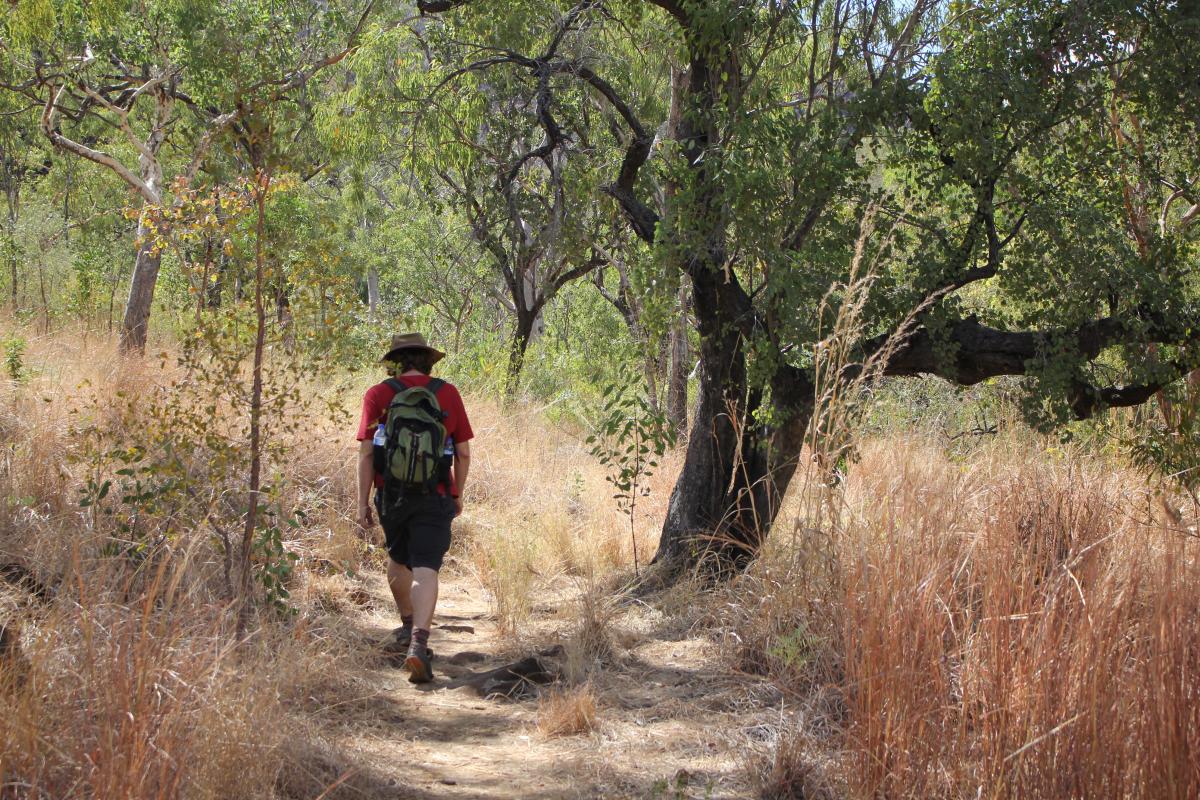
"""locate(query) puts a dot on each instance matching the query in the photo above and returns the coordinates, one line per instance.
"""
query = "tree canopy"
(807, 193)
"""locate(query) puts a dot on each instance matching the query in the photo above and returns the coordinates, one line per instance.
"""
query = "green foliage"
(14, 358)
(273, 563)
(630, 437)
(797, 650)
(1049, 153)
(1167, 446)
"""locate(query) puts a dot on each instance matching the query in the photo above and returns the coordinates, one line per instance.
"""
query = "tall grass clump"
(1036, 642)
(137, 700)
(1016, 625)
(538, 509)
(1010, 620)
(121, 670)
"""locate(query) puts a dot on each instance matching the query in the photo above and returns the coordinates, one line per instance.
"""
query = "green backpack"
(415, 438)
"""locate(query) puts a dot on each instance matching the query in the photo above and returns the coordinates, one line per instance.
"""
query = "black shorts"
(417, 530)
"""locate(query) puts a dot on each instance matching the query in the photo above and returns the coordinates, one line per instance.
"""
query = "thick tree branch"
(619, 300)
(979, 352)
(643, 219)
(438, 6)
(554, 134)
(567, 24)
(1087, 400)
(675, 9)
(578, 271)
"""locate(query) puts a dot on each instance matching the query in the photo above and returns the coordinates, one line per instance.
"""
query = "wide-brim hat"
(411, 341)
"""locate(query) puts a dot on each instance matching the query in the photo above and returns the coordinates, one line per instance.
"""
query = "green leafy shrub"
(14, 358)
(631, 436)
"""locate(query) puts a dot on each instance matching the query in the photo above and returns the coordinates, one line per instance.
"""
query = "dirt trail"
(671, 724)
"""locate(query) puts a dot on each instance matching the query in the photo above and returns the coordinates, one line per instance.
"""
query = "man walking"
(418, 471)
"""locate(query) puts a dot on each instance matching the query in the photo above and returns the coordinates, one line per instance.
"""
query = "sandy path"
(671, 724)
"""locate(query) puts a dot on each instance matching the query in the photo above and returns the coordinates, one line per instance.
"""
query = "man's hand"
(366, 520)
(366, 477)
(458, 505)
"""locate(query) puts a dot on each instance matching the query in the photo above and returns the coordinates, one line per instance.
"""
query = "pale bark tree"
(77, 96)
(142, 102)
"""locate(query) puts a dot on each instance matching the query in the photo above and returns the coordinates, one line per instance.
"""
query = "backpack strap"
(435, 385)
(396, 384)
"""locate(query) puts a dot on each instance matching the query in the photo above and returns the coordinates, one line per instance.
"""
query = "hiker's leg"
(429, 539)
(424, 596)
(399, 576)
(400, 581)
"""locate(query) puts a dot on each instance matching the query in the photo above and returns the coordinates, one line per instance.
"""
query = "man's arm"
(462, 465)
(366, 478)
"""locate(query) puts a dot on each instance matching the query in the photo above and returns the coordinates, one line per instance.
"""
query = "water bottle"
(380, 435)
(446, 463)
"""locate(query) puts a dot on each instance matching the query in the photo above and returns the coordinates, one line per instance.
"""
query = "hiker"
(413, 448)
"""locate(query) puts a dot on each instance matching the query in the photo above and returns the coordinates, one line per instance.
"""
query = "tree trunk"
(145, 268)
(214, 289)
(13, 197)
(537, 325)
(735, 471)
(372, 293)
(522, 333)
(217, 284)
(284, 316)
(202, 290)
(650, 374)
(680, 368)
(141, 293)
(256, 409)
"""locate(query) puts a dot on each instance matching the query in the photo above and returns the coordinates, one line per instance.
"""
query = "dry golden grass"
(144, 699)
(1013, 623)
(126, 679)
(127, 682)
(567, 712)
(789, 771)
(538, 509)
(1018, 625)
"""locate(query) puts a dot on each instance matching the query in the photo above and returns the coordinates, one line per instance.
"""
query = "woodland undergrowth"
(123, 482)
(1009, 619)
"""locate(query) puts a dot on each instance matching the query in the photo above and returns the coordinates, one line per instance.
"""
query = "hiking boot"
(399, 641)
(403, 636)
(419, 664)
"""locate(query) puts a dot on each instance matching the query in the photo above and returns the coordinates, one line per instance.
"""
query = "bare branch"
(215, 128)
(50, 129)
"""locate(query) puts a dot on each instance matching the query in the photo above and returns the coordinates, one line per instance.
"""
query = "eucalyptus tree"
(937, 157)
(526, 212)
(487, 146)
(119, 81)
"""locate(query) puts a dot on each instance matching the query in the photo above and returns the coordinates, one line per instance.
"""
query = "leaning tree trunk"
(13, 196)
(372, 293)
(736, 470)
(149, 257)
(141, 292)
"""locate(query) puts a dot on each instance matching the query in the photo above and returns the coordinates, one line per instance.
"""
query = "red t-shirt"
(378, 397)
